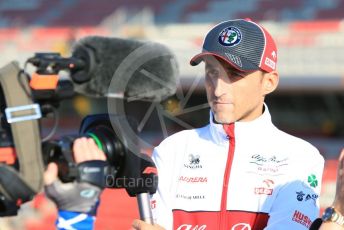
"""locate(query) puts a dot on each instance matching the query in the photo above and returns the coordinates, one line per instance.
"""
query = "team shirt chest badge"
(230, 36)
(193, 162)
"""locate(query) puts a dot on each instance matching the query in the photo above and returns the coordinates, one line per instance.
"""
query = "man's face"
(233, 95)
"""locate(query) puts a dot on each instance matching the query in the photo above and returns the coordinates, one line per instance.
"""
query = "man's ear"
(270, 82)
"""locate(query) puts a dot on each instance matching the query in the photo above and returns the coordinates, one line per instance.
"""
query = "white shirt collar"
(255, 126)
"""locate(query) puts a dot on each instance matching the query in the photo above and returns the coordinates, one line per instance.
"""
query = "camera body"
(99, 128)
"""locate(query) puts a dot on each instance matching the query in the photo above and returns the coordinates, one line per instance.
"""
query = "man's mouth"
(222, 102)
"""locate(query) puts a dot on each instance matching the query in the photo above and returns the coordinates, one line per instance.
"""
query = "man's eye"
(212, 72)
(235, 74)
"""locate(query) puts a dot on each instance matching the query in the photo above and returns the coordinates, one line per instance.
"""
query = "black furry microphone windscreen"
(127, 68)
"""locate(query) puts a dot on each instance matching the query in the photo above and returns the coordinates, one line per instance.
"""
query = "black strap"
(93, 172)
(26, 136)
(316, 224)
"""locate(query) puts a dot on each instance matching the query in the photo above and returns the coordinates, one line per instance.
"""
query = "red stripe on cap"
(269, 56)
(268, 60)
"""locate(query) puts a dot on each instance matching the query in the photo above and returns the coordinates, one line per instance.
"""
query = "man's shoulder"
(297, 145)
(173, 147)
(185, 135)
(181, 139)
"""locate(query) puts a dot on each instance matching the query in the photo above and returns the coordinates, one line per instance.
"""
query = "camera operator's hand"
(80, 197)
(141, 225)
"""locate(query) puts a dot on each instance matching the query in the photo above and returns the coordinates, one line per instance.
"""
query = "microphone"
(142, 181)
(124, 68)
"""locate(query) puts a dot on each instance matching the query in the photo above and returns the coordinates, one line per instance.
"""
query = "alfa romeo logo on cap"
(230, 36)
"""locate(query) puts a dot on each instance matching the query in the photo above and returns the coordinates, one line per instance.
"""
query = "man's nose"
(219, 88)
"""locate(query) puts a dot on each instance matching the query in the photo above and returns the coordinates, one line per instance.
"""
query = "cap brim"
(199, 58)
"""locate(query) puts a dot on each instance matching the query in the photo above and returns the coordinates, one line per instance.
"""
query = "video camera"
(23, 154)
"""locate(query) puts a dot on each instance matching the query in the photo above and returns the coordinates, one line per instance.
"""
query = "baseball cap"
(242, 43)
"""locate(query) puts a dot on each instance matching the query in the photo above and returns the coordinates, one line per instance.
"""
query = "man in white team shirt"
(240, 171)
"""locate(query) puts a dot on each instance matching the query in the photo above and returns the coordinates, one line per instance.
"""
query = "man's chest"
(253, 179)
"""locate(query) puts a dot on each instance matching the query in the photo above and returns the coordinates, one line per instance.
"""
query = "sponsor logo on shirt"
(301, 196)
(193, 162)
(191, 227)
(301, 218)
(190, 197)
(266, 188)
(267, 165)
(193, 179)
(262, 160)
(268, 169)
(312, 181)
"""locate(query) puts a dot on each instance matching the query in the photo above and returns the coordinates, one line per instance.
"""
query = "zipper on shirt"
(229, 129)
